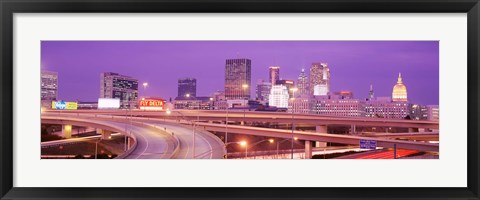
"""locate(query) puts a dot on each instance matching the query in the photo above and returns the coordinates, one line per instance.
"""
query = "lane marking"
(146, 147)
(211, 149)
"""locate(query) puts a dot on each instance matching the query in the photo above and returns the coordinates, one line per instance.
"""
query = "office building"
(49, 86)
(323, 105)
(187, 87)
(433, 113)
(237, 78)
(342, 95)
(263, 90)
(384, 107)
(274, 74)
(417, 112)
(194, 103)
(300, 105)
(279, 96)
(319, 79)
(302, 85)
(290, 84)
(116, 86)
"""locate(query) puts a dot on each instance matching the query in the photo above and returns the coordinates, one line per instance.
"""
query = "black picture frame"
(10, 7)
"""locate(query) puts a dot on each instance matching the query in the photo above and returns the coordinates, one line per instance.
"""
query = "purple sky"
(354, 65)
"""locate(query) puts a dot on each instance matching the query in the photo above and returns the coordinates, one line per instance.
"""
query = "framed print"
(247, 100)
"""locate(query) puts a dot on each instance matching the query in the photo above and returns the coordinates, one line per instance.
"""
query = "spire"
(399, 78)
(370, 93)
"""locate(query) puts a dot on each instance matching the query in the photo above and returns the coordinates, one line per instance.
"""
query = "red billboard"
(157, 104)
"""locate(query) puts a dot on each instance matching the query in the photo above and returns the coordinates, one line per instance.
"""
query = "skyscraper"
(238, 78)
(290, 84)
(274, 73)
(399, 92)
(187, 86)
(263, 90)
(116, 86)
(49, 87)
(302, 84)
(319, 79)
(278, 96)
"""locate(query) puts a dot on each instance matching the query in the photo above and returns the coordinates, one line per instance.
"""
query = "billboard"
(62, 105)
(152, 104)
(108, 103)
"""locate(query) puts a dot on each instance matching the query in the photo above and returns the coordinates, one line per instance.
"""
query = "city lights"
(197, 107)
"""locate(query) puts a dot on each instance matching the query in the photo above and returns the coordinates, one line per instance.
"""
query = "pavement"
(207, 146)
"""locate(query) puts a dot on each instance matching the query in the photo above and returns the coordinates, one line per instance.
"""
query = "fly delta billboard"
(62, 105)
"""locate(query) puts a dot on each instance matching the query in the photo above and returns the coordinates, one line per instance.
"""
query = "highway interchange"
(159, 135)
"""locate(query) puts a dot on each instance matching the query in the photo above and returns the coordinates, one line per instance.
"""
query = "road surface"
(206, 145)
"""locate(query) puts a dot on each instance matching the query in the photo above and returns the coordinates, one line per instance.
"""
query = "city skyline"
(354, 65)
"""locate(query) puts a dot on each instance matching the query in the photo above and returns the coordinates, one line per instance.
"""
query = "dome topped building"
(399, 90)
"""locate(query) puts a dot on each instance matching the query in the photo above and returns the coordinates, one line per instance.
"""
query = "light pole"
(279, 142)
(211, 103)
(226, 131)
(256, 143)
(242, 143)
(245, 87)
(96, 146)
(293, 118)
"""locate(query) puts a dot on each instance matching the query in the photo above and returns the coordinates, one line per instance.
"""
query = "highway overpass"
(275, 117)
(153, 140)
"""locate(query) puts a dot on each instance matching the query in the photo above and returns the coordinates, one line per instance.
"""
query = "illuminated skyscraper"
(116, 86)
(187, 86)
(49, 88)
(278, 96)
(399, 90)
(302, 84)
(263, 90)
(319, 79)
(274, 74)
(238, 78)
(290, 84)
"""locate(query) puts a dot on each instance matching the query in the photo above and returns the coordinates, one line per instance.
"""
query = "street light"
(256, 143)
(211, 103)
(242, 143)
(145, 86)
(245, 87)
(293, 114)
(226, 129)
(280, 142)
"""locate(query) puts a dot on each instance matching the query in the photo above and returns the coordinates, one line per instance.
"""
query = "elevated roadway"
(272, 117)
(155, 139)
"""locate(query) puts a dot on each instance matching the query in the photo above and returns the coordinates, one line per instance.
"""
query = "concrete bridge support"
(106, 134)
(321, 129)
(67, 131)
(411, 130)
(353, 129)
(308, 149)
